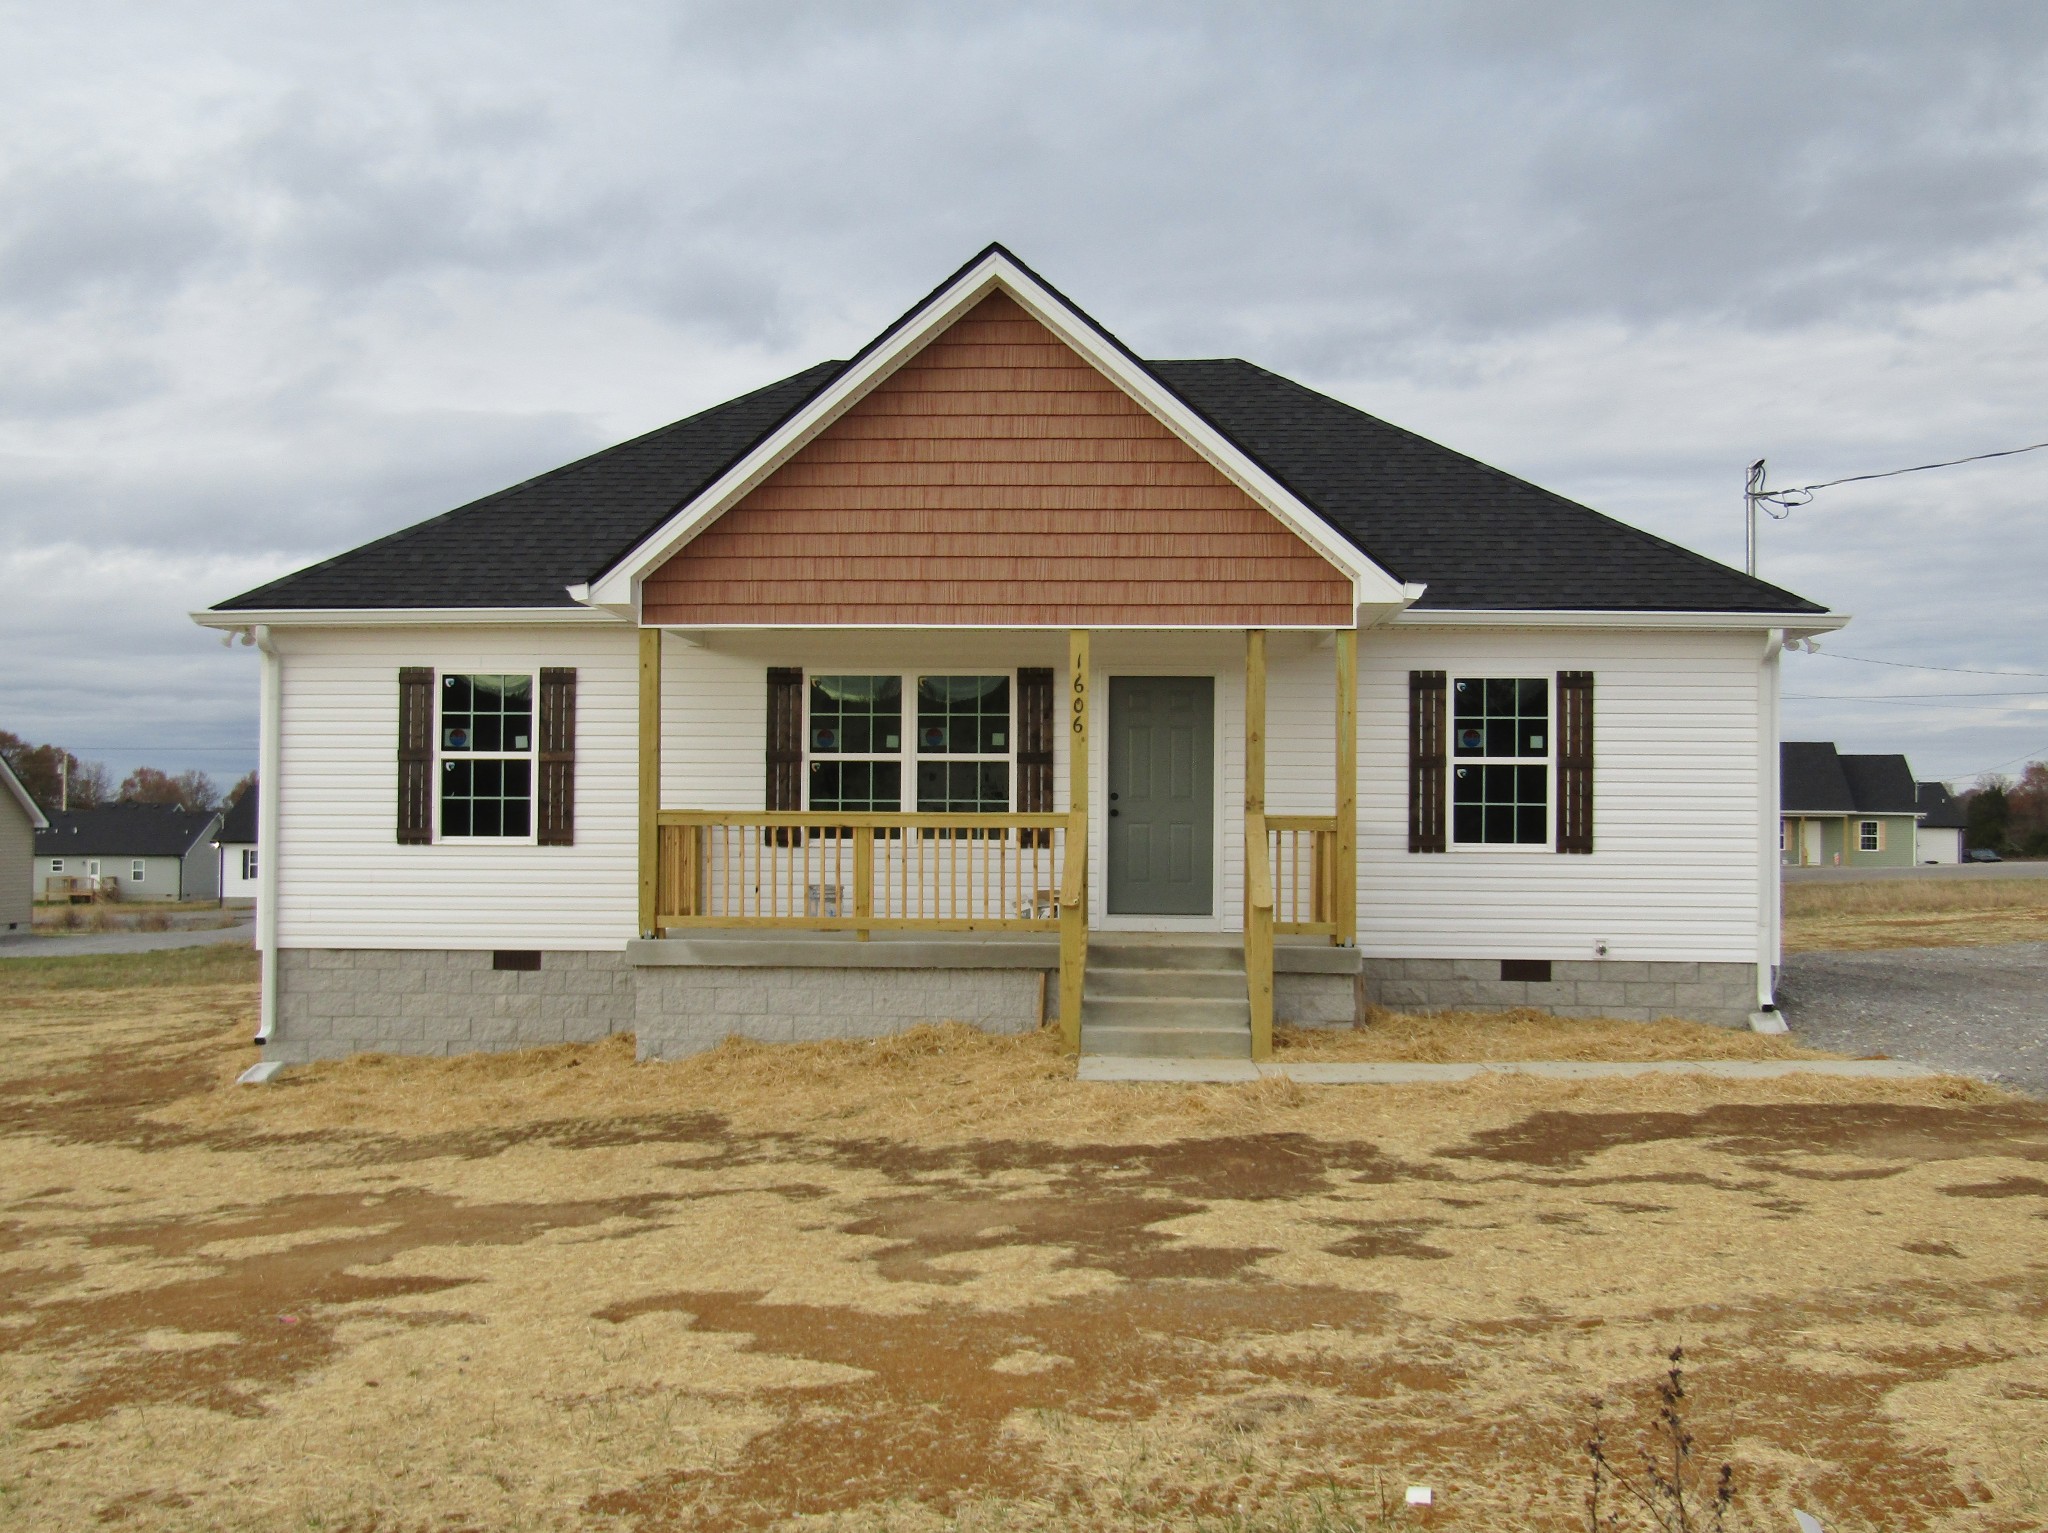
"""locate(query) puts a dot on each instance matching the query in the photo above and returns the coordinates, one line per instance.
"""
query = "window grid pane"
(486, 713)
(1506, 805)
(856, 715)
(857, 787)
(963, 715)
(1501, 717)
(486, 798)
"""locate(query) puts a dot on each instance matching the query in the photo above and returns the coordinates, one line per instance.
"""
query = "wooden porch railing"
(831, 871)
(1301, 852)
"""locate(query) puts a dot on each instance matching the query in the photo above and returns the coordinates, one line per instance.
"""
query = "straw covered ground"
(935, 1282)
(1914, 912)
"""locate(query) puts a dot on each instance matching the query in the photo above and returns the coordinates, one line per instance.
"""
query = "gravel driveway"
(1979, 1010)
(91, 944)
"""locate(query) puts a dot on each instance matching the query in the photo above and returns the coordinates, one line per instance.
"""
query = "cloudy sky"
(277, 278)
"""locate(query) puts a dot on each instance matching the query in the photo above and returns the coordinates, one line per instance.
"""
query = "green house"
(1840, 811)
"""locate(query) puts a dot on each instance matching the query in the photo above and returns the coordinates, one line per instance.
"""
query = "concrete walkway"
(97, 944)
(1113, 1067)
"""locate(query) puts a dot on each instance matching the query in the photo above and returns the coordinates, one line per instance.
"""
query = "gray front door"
(1162, 795)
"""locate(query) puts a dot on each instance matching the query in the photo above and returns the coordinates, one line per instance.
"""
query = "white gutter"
(1793, 624)
(403, 617)
(269, 756)
(1770, 877)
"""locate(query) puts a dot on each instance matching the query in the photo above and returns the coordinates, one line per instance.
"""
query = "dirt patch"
(937, 1282)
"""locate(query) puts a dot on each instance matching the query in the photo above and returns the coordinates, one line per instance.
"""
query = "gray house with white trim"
(146, 852)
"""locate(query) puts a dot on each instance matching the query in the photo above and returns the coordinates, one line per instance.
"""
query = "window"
(248, 862)
(1500, 737)
(56, 864)
(1867, 837)
(963, 744)
(485, 744)
(958, 752)
(854, 739)
(135, 870)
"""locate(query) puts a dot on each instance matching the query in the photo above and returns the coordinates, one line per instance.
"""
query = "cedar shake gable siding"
(997, 478)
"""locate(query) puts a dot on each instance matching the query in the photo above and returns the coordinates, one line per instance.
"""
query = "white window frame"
(1548, 761)
(909, 755)
(56, 864)
(248, 864)
(531, 756)
(136, 868)
(1871, 831)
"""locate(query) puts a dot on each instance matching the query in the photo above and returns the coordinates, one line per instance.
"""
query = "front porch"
(994, 913)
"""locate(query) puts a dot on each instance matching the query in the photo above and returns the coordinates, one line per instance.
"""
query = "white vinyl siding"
(1677, 807)
(343, 879)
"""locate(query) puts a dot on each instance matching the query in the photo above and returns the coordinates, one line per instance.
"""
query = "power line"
(1891, 473)
(1907, 665)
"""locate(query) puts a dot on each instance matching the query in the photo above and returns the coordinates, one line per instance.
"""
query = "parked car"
(1981, 854)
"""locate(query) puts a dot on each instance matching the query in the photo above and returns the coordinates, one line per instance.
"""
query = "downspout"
(1770, 884)
(269, 754)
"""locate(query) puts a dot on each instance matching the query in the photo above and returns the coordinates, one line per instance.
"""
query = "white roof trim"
(1801, 624)
(619, 587)
(404, 617)
(13, 783)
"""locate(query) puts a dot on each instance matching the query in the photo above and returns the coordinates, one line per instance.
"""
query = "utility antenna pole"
(1752, 492)
(63, 783)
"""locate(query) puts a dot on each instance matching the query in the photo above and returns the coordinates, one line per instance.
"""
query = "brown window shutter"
(1427, 760)
(556, 809)
(1034, 748)
(785, 737)
(785, 750)
(415, 755)
(1575, 762)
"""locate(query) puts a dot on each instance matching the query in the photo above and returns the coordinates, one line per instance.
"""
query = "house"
(236, 846)
(127, 851)
(1842, 811)
(20, 819)
(999, 675)
(1938, 837)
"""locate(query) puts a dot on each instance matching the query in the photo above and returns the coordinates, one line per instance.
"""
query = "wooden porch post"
(650, 774)
(1074, 876)
(1346, 913)
(1258, 878)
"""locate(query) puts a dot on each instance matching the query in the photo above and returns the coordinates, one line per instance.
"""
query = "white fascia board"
(1794, 624)
(408, 617)
(620, 586)
(28, 805)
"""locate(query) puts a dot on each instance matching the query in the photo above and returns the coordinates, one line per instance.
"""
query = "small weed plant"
(1664, 1492)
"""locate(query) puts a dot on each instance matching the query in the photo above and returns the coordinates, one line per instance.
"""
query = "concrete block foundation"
(683, 996)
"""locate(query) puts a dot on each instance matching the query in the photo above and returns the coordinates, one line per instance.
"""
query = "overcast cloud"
(276, 279)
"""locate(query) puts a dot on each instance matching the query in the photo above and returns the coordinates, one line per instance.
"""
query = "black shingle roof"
(1811, 780)
(1939, 809)
(1882, 784)
(238, 825)
(122, 830)
(1478, 537)
(1814, 778)
(524, 547)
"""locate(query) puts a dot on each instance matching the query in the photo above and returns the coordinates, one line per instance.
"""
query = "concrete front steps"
(1165, 996)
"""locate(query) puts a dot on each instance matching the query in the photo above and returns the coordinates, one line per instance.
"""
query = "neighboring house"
(128, 851)
(237, 845)
(20, 819)
(1074, 680)
(1939, 834)
(1845, 811)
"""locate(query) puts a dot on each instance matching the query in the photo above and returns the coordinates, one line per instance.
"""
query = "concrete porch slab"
(1109, 1067)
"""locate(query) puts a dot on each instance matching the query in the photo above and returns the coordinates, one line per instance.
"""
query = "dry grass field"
(1908, 912)
(934, 1282)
